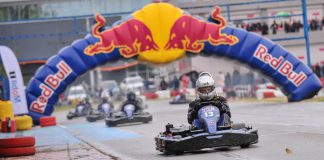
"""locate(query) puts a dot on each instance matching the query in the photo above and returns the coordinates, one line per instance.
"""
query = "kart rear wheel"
(237, 126)
(110, 124)
(245, 145)
(167, 152)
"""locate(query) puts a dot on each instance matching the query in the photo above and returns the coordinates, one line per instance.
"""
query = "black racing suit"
(218, 101)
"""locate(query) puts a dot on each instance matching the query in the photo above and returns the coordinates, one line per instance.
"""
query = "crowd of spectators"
(318, 69)
(286, 26)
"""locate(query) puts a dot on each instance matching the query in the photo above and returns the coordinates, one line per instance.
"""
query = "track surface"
(286, 131)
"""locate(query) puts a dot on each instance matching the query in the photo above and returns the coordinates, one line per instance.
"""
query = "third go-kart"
(180, 99)
(209, 133)
(104, 110)
(128, 115)
(80, 111)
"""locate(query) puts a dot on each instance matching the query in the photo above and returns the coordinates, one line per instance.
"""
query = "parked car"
(135, 84)
(75, 94)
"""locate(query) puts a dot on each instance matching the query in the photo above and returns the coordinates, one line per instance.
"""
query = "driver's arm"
(192, 113)
(224, 105)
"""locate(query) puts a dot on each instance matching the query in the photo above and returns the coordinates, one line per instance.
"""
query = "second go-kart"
(104, 110)
(80, 111)
(180, 99)
(128, 115)
(210, 132)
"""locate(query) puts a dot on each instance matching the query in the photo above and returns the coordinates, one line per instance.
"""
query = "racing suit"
(138, 103)
(218, 101)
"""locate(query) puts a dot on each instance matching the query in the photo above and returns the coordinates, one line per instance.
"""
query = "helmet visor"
(206, 90)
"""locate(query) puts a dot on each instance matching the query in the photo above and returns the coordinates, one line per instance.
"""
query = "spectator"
(163, 84)
(322, 69)
(299, 25)
(175, 83)
(264, 29)
(317, 70)
(236, 77)
(287, 28)
(274, 27)
(185, 82)
(228, 80)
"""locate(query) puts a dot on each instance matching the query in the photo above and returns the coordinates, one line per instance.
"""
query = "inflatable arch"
(161, 33)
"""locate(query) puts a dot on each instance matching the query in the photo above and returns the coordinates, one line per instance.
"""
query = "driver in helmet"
(205, 86)
(132, 99)
(82, 105)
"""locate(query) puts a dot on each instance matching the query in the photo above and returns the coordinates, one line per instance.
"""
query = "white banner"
(16, 83)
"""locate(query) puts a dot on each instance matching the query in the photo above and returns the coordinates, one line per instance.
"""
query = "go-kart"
(80, 111)
(104, 110)
(180, 99)
(210, 132)
(128, 115)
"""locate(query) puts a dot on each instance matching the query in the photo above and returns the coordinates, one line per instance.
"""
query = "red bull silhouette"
(139, 38)
(190, 33)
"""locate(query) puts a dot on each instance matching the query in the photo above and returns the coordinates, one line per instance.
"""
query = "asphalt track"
(286, 131)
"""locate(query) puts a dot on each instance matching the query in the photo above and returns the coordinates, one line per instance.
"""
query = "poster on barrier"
(11, 81)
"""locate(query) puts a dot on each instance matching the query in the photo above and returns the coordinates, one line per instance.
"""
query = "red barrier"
(151, 95)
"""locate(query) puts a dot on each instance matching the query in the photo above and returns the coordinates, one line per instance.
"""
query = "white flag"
(16, 83)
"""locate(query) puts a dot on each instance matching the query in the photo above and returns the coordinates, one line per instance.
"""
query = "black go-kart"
(128, 116)
(209, 132)
(180, 99)
(80, 111)
(104, 110)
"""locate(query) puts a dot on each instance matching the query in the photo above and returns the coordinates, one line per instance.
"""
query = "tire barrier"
(17, 151)
(24, 122)
(47, 121)
(17, 142)
(161, 33)
(6, 110)
(18, 146)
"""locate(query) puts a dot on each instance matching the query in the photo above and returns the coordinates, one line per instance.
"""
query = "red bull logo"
(159, 33)
(190, 33)
(137, 38)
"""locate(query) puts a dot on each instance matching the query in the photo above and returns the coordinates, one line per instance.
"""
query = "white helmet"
(205, 86)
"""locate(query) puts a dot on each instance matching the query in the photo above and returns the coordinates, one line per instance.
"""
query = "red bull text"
(52, 82)
(284, 67)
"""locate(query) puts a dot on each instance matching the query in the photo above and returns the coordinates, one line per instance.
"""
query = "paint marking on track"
(238, 156)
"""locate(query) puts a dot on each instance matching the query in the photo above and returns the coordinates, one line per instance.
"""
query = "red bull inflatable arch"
(161, 33)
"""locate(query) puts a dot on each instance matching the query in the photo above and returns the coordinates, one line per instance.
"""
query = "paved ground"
(287, 131)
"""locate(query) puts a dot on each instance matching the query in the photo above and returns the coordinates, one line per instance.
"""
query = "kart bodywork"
(210, 134)
(128, 116)
(104, 110)
(81, 111)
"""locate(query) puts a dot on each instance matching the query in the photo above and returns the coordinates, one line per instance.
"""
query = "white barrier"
(163, 94)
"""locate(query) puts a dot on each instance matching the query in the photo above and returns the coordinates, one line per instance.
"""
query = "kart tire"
(110, 124)
(17, 142)
(18, 151)
(245, 145)
(237, 126)
(47, 121)
(91, 119)
(24, 122)
(69, 117)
